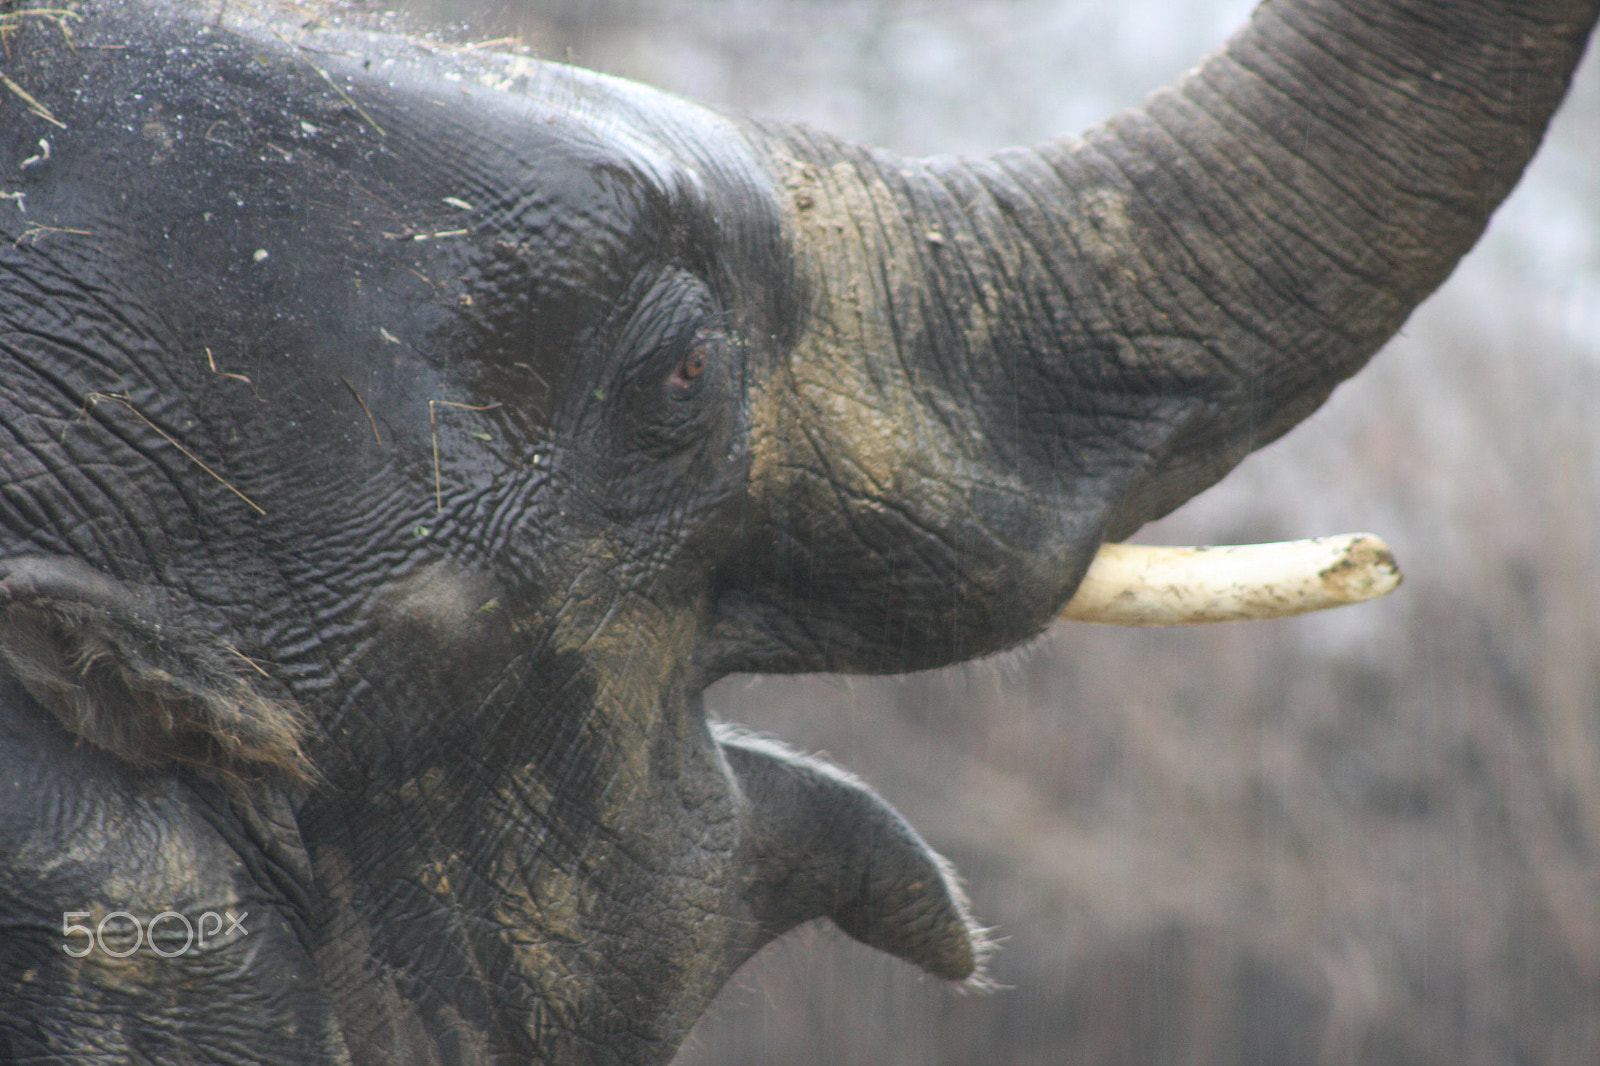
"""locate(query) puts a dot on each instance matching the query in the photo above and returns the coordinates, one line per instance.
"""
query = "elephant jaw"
(1139, 585)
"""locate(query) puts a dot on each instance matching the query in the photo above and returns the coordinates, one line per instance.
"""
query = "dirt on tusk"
(1139, 585)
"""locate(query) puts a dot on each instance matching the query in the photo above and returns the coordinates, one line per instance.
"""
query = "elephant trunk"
(1254, 234)
(1013, 359)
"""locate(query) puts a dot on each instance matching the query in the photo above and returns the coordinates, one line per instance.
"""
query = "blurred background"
(1366, 837)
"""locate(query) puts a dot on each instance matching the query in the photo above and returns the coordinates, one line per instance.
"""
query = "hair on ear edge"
(151, 693)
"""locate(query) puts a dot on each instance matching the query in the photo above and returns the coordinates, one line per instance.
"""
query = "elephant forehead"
(558, 249)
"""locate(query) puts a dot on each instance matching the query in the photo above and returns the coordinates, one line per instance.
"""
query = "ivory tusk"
(1138, 585)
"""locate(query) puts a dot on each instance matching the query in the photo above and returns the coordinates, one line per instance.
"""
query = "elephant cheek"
(897, 540)
(442, 604)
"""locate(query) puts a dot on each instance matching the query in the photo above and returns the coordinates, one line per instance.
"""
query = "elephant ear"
(129, 675)
(819, 843)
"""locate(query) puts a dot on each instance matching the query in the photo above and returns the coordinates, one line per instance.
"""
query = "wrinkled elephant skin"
(398, 440)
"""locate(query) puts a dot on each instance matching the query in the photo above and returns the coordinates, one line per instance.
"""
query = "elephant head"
(398, 440)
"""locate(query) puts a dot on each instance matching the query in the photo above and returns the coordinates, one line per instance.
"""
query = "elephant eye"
(686, 375)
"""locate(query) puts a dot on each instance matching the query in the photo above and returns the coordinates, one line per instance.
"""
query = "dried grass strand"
(433, 425)
(96, 397)
(365, 409)
(33, 105)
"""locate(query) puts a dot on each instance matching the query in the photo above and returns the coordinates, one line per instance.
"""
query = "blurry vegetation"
(1367, 837)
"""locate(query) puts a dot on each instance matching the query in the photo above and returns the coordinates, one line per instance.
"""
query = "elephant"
(400, 439)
